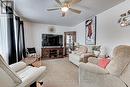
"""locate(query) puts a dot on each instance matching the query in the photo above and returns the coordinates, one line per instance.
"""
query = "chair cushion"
(30, 74)
(103, 62)
(18, 66)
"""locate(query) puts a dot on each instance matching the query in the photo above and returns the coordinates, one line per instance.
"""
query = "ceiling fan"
(65, 6)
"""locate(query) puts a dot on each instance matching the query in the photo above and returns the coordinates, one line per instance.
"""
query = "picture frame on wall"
(90, 31)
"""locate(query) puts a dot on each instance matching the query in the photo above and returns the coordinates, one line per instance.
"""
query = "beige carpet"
(60, 73)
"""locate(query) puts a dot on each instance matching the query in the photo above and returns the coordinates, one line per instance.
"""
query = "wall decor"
(90, 31)
(51, 29)
(124, 19)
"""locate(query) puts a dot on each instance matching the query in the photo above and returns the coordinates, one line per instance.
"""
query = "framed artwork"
(90, 31)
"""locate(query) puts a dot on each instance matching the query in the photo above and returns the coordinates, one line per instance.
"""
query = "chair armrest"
(17, 66)
(92, 68)
(93, 60)
(91, 75)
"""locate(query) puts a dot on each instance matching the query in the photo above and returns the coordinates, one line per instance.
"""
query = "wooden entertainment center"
(52, 52)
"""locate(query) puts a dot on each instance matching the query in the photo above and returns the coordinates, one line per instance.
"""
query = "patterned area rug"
(60, 73)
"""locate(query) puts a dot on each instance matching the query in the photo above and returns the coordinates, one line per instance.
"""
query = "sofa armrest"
(85, 57)
(17, 66)
(92, 68)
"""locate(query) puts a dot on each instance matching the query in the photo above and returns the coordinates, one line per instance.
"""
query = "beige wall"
(34, 31)
(109, 33)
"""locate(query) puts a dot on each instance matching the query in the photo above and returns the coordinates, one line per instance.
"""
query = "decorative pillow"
(90, 48)
(103, 62)
(96, 48)
(97, 53)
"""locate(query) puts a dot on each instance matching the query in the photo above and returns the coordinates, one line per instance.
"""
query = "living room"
(109, 33)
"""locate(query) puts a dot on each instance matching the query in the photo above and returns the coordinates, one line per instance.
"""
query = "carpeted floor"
(60, 73)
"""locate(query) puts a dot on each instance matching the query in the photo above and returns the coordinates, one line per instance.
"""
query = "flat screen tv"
(52, 40)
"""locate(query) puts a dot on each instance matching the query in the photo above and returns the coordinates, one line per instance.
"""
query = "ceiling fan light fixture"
(64, 9)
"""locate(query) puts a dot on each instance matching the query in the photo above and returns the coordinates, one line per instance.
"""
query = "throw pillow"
(103, 62)
(96, 48)
(96, 53)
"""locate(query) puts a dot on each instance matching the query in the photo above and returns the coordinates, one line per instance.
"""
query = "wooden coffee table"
(36, 62)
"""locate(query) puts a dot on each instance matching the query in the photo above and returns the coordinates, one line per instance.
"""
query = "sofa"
(19, 74)
(80, 55)
(116, 73)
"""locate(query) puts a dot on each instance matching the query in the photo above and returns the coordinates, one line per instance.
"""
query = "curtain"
(21, 52)
(23, 38)
(3, 37)
(12, 42)
(11, 36)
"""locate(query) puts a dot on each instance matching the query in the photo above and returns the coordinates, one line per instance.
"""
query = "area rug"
(60, 73)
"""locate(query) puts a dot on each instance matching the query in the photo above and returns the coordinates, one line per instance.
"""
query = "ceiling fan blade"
(74, 2)
(63, 14)
(58, 1)
(75, 10)
(53, 9)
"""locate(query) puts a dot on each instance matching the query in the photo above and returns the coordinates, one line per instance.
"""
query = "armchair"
(19, 75)
(79, 55)
(31, 52)
(116, 73)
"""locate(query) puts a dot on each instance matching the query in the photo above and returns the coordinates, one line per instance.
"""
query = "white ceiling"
(35, 11)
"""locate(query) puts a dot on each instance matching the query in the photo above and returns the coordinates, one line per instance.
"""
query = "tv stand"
(52, 52)
(52, 47)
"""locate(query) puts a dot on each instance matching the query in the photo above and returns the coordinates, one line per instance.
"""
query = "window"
(3, 36)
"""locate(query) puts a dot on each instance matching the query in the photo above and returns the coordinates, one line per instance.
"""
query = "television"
(52, 40)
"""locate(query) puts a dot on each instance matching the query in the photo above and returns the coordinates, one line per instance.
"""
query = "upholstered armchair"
(80, 55)
(116, 74)
(18, 74)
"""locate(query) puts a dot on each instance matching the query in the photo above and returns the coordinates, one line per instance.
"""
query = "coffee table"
(36, 62)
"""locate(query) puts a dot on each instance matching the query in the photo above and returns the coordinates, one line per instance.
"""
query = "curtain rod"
(9, 9)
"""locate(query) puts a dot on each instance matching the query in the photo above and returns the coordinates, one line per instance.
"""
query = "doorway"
(69, 39)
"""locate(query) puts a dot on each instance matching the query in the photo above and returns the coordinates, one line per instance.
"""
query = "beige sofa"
(18, 74)
(80, 55)
(116, 74)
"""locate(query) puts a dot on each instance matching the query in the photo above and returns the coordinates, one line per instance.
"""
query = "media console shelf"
(52, 52)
